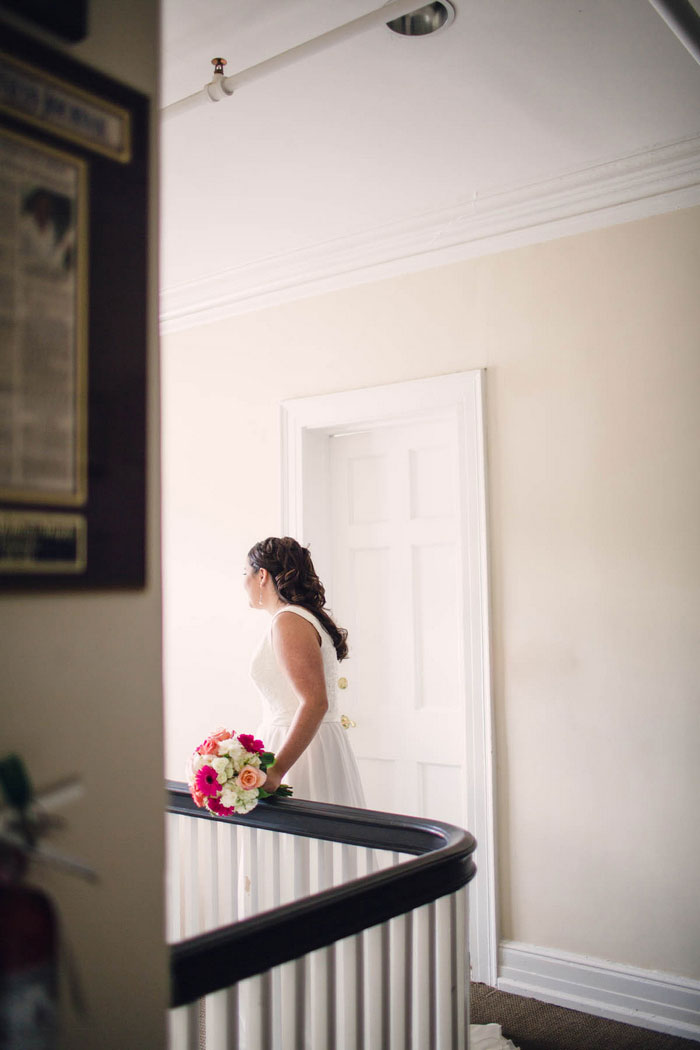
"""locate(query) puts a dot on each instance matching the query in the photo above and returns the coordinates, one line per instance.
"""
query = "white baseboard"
(658, 1001)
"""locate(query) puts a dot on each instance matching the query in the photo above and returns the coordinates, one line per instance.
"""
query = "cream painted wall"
(81, 694)
(593, 385)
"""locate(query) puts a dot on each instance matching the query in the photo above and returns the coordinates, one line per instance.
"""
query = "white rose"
(249, 800)
(196, 762)
(229, 797)
(220, 765)
(228, 746)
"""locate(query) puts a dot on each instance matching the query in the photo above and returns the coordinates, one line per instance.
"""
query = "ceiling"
(523, 120)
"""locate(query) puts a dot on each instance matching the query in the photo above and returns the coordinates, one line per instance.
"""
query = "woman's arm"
(296, 644)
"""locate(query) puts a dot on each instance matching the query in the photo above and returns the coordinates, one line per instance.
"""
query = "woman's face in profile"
(250, 584)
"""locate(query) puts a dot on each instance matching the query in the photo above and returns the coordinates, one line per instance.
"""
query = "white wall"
(81, 694)
(591, 345)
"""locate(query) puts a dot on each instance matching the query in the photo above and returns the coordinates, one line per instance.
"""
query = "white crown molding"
(661, 1002)
(662, 179)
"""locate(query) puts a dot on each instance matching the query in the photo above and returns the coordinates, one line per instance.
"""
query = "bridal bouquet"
(227, 773)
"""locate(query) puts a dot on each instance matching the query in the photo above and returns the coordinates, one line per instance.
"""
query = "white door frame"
(305, 425)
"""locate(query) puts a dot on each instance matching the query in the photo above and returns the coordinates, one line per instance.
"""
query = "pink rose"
(211, 744)
(199, 799)
(222, 734)
(250, 777)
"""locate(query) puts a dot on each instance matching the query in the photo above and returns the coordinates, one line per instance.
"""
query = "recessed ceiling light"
(424, 20)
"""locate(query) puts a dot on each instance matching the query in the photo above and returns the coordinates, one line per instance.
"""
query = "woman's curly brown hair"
(297, 582)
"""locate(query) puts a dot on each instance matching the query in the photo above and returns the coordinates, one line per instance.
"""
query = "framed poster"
(43, 324)
(73, 288)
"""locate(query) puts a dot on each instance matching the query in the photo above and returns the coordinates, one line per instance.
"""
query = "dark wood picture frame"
(99, 538)
(67, 19)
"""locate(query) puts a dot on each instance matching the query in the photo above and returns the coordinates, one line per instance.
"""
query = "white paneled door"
(396, 585)
(387, 484)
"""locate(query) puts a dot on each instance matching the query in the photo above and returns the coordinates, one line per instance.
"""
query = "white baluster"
(373, 860)
(386, 983)
(253, 871)
(293, 993)
(337, 863)
(258, 1035)
(322, 994)
(301, 867)
(232, 1018)
(232, 847)
(287, 995)
(331, 994)
(401, 981)
(276, 870)
(209, 874)
(325, 865)
(302, 881)
(250, 1032)
(444, 967)
(376, 986)
(190, 868)
(177, 1029)
(183, 1027)
(423, 977)
(173, 876)
(351, 964)
(352, 1005)
(300, 993)
(349, 863)
(216, 1021)
(223, 904)
(460, 933)
(201, 881)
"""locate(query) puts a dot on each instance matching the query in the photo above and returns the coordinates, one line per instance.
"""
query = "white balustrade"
(400, 985)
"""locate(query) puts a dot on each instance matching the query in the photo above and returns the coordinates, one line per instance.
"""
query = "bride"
(295, 669)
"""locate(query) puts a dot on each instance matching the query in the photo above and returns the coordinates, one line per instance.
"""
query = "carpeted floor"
(533, 1025)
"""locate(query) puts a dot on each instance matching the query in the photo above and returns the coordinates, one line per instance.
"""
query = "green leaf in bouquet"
(283, 791)
(15, 782)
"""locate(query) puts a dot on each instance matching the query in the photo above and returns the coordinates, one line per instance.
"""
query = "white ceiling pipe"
(683, 19)
(222, 86)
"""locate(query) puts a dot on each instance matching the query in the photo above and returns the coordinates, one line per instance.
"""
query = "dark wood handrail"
(442, 863)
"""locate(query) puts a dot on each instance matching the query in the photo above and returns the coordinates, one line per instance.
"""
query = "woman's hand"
(273, 781)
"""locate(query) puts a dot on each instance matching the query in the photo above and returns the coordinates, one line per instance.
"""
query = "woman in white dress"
(295, 669)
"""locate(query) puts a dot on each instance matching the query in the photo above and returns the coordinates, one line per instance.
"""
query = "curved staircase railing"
(307, 925)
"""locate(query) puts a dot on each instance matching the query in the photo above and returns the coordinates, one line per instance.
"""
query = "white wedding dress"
(327, 770)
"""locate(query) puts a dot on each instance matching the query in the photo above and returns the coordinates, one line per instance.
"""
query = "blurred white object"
(488, 1037)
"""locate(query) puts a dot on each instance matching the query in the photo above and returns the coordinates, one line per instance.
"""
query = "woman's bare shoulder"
(290, 626)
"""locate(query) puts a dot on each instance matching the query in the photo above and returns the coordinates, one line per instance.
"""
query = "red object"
(28, 969)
